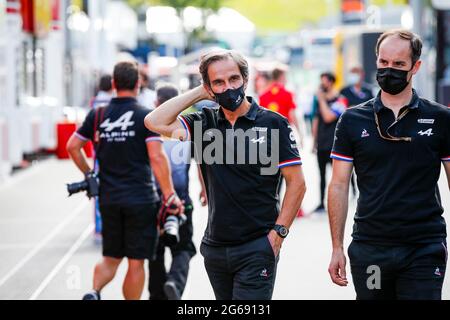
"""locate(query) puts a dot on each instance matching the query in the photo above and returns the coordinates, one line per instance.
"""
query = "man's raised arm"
(164, 120)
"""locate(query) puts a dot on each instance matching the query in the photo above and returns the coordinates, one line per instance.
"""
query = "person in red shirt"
(277, 98)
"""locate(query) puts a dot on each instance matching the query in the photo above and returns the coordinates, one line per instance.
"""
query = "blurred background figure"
(102, 99)
(356, 91)
(146, 97)
(328, 105)
(277, 98)
(263, 81)
(105, 92)
(170, 285)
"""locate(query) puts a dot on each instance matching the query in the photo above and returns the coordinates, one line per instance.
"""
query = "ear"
(113, 84)
(416, 67)
(208, 89)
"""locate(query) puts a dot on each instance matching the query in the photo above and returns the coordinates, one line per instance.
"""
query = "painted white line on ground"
(87, 232)
(45, 241)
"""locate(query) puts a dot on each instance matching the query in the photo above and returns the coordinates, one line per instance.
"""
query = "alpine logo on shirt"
(117, 131)
(428, 132)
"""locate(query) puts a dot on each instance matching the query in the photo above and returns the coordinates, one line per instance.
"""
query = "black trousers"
(413, 272)
(182, 253)
(241, 272)
(323, 158)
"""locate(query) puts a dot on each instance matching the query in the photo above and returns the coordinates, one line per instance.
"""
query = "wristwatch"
(281, 230)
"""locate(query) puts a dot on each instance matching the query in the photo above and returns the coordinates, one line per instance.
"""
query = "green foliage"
(269, 15)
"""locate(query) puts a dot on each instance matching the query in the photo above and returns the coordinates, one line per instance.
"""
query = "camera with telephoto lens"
(171, 234)
(90, 185)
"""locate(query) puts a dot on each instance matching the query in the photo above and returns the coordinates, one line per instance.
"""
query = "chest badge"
(426, 121)
(365, 134)
(428, 133)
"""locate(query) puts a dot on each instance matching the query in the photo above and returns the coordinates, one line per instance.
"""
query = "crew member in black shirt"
(396, 143)
(128, 199)
(328, 105)
(245, 227)
(356, 91)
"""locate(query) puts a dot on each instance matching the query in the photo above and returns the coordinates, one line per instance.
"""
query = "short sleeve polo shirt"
(399, 197)
(125, 173)
(241, 167)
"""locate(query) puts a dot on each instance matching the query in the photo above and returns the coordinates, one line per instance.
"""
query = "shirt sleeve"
(339, 106)
(191, 121)
(289, 154)
(342, 147)
(445, 149)
(152, 136)
(86, 131)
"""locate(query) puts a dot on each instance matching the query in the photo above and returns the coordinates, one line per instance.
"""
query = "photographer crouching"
(127, 154)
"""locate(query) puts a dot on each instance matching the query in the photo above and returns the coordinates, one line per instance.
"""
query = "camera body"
(171, 227)
(90, 185)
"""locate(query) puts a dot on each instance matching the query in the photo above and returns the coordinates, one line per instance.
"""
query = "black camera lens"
(77, 187)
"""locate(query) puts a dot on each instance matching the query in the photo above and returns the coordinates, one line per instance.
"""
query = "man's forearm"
(80, 160)
(295, 191)
(168, 112)
(337, 211)
(447, 172)
(327, 115)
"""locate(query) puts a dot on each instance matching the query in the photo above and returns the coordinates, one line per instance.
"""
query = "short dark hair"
(144, 76)
(277, 73)
(165, 91)
(105, 83)
(329, 75)
(414, 41)
(219, 55)
(126, 75)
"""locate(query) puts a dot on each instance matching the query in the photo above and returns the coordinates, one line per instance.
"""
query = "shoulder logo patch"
(365, 134)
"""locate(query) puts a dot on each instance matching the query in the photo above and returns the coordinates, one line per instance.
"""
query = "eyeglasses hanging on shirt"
(390, 137)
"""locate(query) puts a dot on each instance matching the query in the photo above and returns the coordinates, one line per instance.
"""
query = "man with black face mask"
(246, 227)
(396, 143)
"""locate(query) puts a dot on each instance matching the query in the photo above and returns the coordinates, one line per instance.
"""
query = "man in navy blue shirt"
(246, 227)
(128, 199)
(396, 143)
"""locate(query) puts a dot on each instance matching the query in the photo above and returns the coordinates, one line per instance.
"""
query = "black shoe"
(171, 291)
(320, 209)
(93, 295)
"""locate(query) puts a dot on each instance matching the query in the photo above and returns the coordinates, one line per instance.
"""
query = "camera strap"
(97, 122)
(165, 205)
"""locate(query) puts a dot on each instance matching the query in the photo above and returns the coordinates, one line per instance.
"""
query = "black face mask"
(230, 99)
(392, 81)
